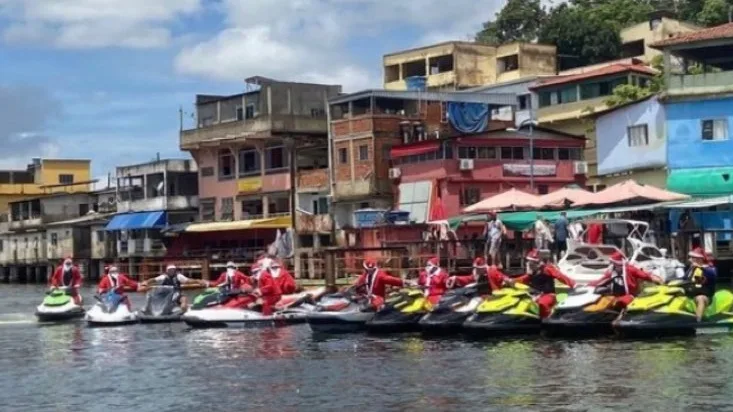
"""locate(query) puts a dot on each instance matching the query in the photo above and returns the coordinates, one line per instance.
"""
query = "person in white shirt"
(542, 234)
(173, 277)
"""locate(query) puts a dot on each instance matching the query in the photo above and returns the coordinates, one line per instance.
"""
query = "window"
(249, 111)
(469, 196)
(1, 245)
(363, 153)
(472, 152)
(508, 63)
(715, 129)
(252, 208)
(66, 179)
(83, 209)
(275, 158)
(208, 208)
(524, 101)
(343, 155)
(227, 208)
(545, 99)
(207, 171)
(320, 206)
(319, 112)
(101, 236)
(240, 113)
(512, 153)
(249, 162)
(443, 112)
(568, 154)
(54, 239)
(638, 135)
(568, 95)
(543, 153)
(207, 121)
(226, 164)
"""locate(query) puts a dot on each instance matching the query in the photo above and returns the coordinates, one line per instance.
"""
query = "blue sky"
(104, 79)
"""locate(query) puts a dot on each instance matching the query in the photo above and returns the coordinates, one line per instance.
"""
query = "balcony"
(312, 180)
(261, 126)
(309, 224)
(700, 84)
(359, 189)
(369, 123)
(159, 203)
(32, 222)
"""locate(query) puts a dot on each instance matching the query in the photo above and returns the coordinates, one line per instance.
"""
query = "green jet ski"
(665, 310)
(58, 305)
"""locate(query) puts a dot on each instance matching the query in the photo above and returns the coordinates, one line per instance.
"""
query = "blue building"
(699, 111)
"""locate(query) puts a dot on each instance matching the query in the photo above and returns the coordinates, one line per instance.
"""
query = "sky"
(104, 79)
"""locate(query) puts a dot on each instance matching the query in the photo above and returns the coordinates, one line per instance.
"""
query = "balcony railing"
(314, 223)
(159, 203)
(312, 180)
(362, 188)
(705, 83)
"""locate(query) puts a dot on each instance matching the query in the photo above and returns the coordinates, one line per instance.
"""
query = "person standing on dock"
(494, 231)
(67, 275)
(561, 235)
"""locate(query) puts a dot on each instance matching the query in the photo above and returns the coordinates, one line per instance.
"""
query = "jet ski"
(509, 310)
(234, 310)
(665, 310)
(401, 312)
(58, 305)
(110, 310)
(160, 306)
(587, 311)
(343, 312)
(454, 307)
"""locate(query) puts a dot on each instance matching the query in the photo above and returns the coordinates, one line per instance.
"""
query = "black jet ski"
(401, 312)
(587, 311)
(665, 310)
(454, 307)
(160, 306)
(343, 312)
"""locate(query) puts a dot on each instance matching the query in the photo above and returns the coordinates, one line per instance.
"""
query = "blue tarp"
(468, 117)
(133, 221)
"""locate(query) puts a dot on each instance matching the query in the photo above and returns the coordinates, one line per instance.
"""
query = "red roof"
(724, 31)
(603, 71)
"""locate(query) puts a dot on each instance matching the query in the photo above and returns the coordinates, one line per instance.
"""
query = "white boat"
(110, 310)
(584, 262)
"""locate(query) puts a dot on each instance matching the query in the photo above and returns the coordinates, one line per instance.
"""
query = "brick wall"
(317, 178)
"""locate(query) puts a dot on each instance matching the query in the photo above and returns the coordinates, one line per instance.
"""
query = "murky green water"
(169, 368)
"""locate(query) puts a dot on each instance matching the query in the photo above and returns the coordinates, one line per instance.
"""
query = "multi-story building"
(372, 128)
(526, 104)
(567, 103)
(243, 145)
(44, 176)
(699, 111)
(662, 25)
(459, 65)
(631, 143)
(149, 197)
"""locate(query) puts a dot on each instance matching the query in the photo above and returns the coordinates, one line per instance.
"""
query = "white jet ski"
(344, 312)
(213, 312)
(160, 306)
(58, 305)
(110, 310)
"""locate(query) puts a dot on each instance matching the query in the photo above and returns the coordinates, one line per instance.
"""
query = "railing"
(701, 83)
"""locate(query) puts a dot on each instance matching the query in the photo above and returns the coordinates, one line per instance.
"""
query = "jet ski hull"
(579, 323)
(145, 318)
(59, 313)
(220, 317)
(395, 322)
(654, 325)
(339, 322)
(485, 324)
(99, 318)
(443, 323)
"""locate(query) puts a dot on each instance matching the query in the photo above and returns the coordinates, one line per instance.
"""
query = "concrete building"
(631, 143)
(367, 127)
(527, 100)
(149, 197)
(459, 65)
(242, 145)
(567, 103)
(662, 25)
(44, 176)
(699, 111)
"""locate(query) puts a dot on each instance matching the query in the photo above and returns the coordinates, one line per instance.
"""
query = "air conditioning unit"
(580, 168)
(466, 164)
(395, 173)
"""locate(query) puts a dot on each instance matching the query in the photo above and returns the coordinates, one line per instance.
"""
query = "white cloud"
(308, 40)
(93, 23)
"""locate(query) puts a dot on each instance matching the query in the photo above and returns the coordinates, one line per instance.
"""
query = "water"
(169, 368)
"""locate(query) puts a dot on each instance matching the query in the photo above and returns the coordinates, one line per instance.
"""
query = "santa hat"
(617, 258)
(67, 260)
(370, 264)
(433, 261)
(479, 263)
(231, 264)
(533, 256)
(697, 253)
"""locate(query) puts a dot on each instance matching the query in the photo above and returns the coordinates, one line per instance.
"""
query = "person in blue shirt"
(561, 235)
(702, 275)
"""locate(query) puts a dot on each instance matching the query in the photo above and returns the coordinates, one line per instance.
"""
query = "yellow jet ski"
(401, 312)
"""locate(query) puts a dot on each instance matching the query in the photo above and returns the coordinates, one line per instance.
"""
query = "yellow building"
(44, 176)
(567, 103)
(637, 38)
(458, 65)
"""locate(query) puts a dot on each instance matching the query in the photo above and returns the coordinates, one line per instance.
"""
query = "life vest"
(696, 276)
(618, 282)
(67, 278)
(172, 281)
(542, 282)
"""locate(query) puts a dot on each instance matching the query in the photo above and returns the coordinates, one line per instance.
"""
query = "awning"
(712, 181)
(280, 222)
(134, 221)
(702, 203)
(415, 149)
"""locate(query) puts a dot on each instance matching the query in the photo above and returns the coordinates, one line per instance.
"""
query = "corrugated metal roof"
(724, 31)
(496, 99)
(702, 203)
(603, 71)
